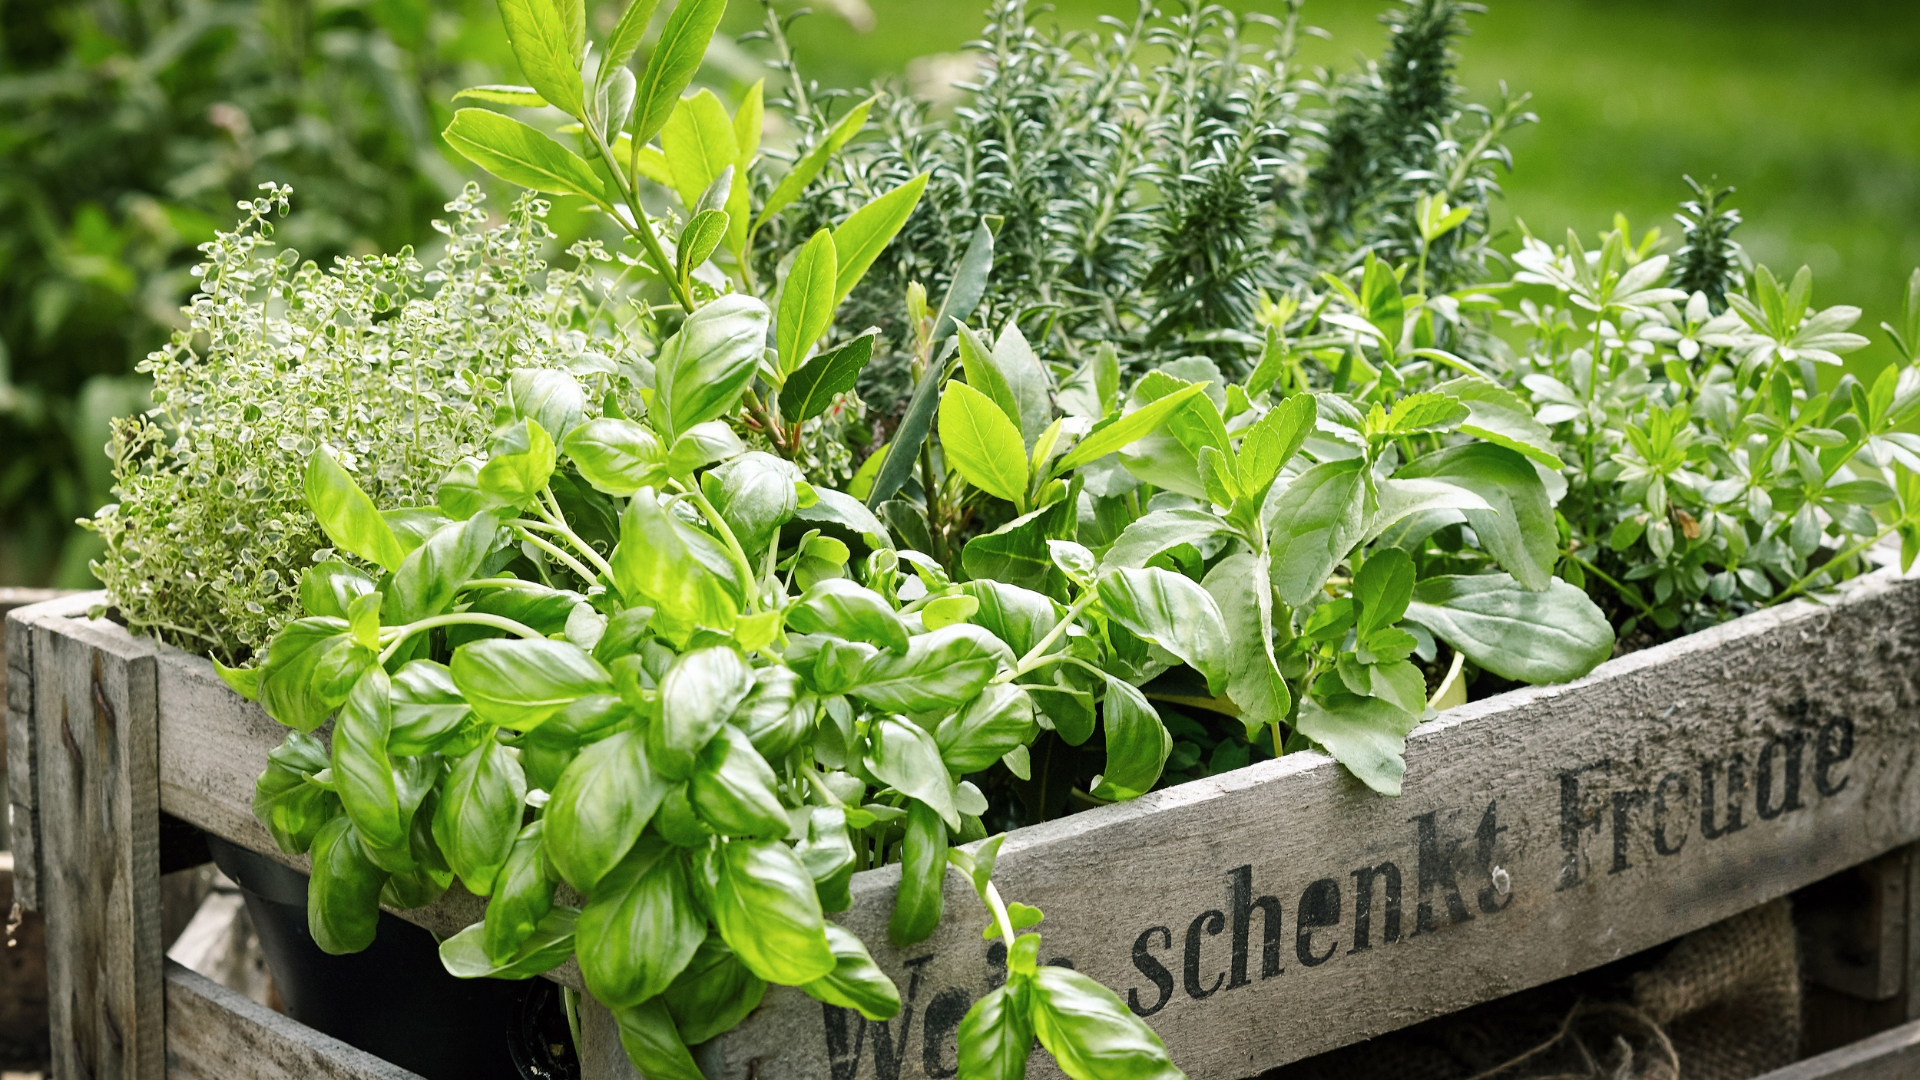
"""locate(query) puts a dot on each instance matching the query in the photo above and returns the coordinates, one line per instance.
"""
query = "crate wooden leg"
(96, 766)
(1860, 950)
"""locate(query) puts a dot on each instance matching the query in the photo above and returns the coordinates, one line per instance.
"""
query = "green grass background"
(1810, 109)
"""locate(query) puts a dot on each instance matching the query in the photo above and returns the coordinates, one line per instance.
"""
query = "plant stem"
(1800, 586)
(1000, 917)
(738, 554)
(457, 618)
(1033, 658)
(1630, 596)
(571, 563)
(642, 227)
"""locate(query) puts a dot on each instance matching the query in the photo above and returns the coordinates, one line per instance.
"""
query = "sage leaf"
(1312, 524)
(1498, 416)
(1368, 735)
(1517, 529)
(1550, 636)
(1161, 531)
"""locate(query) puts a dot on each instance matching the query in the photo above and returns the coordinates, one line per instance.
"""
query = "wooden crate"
(1255, 918)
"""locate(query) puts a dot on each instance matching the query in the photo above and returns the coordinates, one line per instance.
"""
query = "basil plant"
(635, 686)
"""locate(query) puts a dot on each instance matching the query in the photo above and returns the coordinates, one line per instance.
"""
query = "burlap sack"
(1721, 1004)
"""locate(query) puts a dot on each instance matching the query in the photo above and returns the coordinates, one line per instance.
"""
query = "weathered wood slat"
(96, 769)
(23, 802)
(1273, 913)
(214, 1033)
(1890, 1055)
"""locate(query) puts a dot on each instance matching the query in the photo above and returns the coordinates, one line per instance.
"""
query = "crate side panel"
(214, 1033)
(100, 881)
(1267, 915)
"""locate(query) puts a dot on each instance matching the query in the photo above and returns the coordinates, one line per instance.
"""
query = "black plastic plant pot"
(394, 1000)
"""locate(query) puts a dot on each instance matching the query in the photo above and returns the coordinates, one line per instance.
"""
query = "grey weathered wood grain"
(601, 1056)
(1542, 833)
(22, 798)
(214, 1033)
(1890, 1055)
(95, 766)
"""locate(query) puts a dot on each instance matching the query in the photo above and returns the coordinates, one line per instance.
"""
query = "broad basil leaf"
(856, 982)
(550, 397)
(764, 905)
(343, 893)
(986, 729)
(1172, 612)
(599, 808)
(479, 814)
(776, 715)
(1535, 637)
(755, 494)
(520, 682)
(286, 801)
(669, 565)
(328, 588)
(735, 791)
(522, 897)
(996, 1035)
(906, 759)
(1137, 744)
(714, 992)
(549, 946)
(363, 774)
(520, 461)
(311, 667)
(641, 927)
(697, 695)
(1020, 617)
(346, 515)
(618, 457)
(425, 583)
(939, 670)
(923, 866)
(828, 855)
(1017, 553)
(702, 369)
(845, 609)
(1090, 1034)
(428, 708)
(647, 1031)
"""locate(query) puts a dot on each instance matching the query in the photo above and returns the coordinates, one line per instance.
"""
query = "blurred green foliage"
(130, 130)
